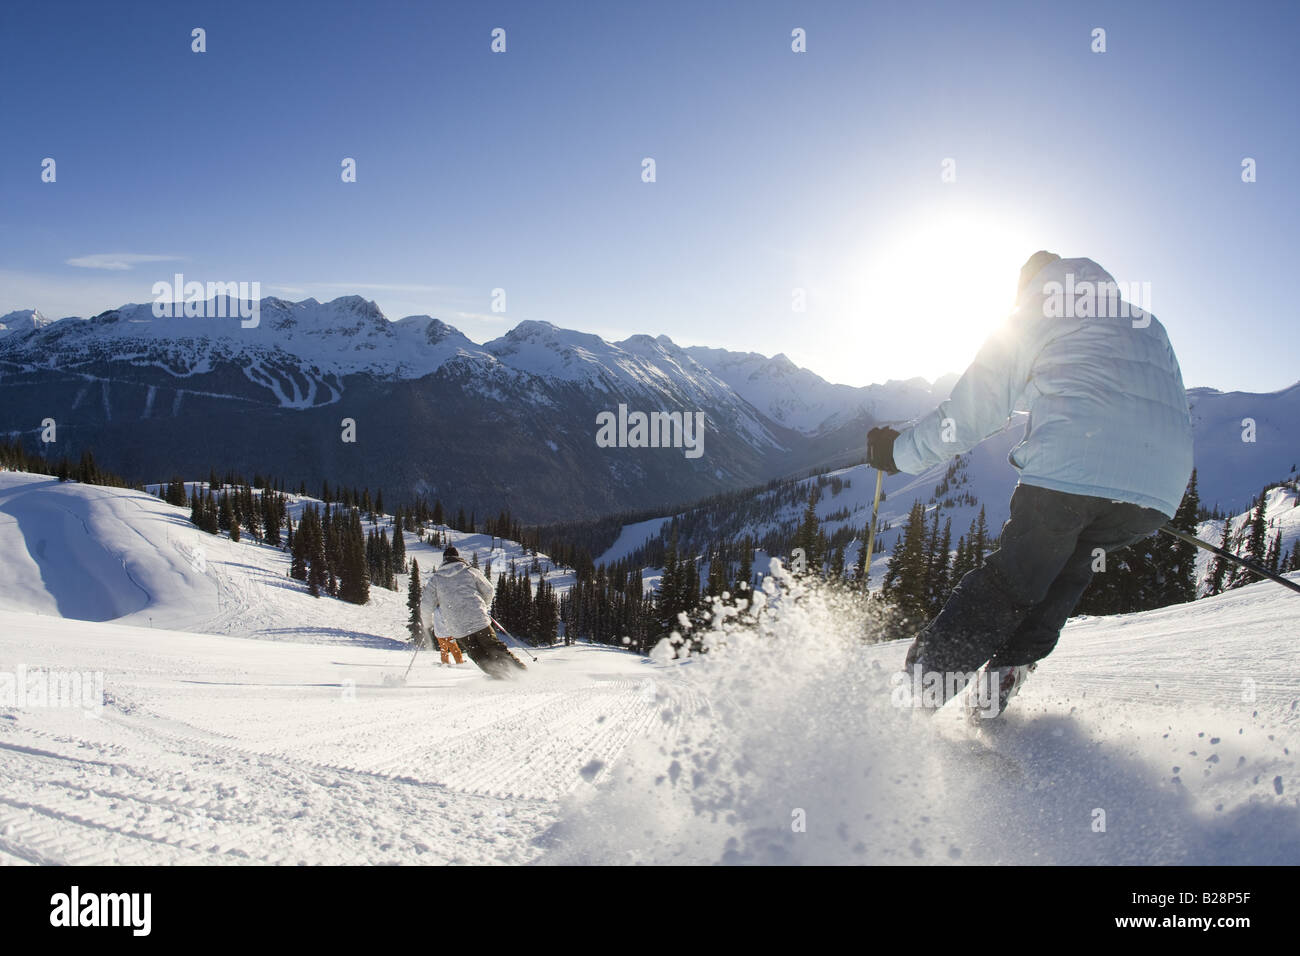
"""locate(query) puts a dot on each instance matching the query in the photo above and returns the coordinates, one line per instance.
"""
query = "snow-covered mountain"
(804, 401)
(509, 423)
(321, 342)
(23, 320)
(1244, 440)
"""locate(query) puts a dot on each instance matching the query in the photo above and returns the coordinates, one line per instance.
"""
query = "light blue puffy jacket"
(1108, 414)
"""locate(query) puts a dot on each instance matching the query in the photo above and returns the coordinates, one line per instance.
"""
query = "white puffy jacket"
(463, 595)
(1108, 415)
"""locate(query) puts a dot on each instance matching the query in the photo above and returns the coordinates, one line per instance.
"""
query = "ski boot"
(980, 703)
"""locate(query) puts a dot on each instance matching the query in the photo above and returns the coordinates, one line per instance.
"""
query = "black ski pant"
(1010, 610)
(490, 654)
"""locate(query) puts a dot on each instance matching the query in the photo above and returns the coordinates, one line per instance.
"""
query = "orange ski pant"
(448, 645)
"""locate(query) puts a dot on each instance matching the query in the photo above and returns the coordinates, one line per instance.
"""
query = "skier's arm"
(429, 602)
(484, 586)
(429, 605)
(980, 403)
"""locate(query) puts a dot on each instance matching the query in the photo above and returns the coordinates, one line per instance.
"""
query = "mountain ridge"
(511, 421)
(352, 329)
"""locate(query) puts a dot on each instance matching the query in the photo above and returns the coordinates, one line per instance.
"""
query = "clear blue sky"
(776, 171)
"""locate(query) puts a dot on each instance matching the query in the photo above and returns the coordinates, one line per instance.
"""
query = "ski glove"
(880, 449)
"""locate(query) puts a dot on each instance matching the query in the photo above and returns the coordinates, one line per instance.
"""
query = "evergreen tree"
(979, 540)
(354, 579)
(906, 576)
(961, 562)
(691, 595)
(809, 534)
(746, 574)
(318, 572)
(271, 518)
(1219, 567)
(399, 544)
(718, 573)
(1256, 542)
(837, 564)
(1275, 552)
(1177, 558)
(211, 514)
(298, 553)
(414, 594)
(669, 598)
(175, 492)
(385, 555)
(939, 566)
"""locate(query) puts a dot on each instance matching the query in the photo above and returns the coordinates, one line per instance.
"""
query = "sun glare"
(923, 302)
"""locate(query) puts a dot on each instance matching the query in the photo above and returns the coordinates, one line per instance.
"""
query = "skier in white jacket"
(464, 595)
(1104, 462)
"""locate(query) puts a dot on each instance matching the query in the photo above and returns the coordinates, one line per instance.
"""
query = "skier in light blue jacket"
(1104, 461)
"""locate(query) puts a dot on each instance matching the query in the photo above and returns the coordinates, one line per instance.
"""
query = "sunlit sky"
(776, 171)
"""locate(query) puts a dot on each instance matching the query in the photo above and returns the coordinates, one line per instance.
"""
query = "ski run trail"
(243, 721)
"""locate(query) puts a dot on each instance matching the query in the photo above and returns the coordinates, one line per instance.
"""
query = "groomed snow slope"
(1181, 725)
(221, 749)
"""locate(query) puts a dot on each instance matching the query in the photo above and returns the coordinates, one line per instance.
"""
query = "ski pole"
(419, 644)
(511, 636)
(871, 532)
(1214, 549)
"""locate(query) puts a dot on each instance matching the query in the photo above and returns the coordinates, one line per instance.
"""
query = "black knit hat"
(450, 552)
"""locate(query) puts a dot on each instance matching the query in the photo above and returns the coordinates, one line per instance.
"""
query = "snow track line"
(522, 749)
(61, 845)
(45, 816)
(60, 821)
(536, 771)
(121, 557)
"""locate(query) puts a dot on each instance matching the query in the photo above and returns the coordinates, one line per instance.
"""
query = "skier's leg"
(990, 603)
(1117, 526)
(470, 646)
(455, 650)
(491, 656)
(442, 650)
(1038, 633)
(506, 661)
